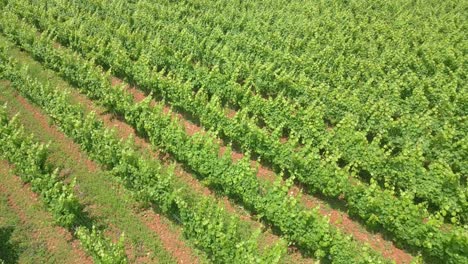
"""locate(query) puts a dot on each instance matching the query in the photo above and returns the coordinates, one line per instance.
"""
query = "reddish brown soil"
(138, 95)
(48, 233)
(230, 113)
(349, 226)
(182, 253)
(337, 218)
(124, 130)
(174, 243)
(67, 144)
(283, 140)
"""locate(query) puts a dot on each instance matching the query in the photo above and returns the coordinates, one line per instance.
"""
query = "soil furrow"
(348, 225)
(338, 218)
(171, 239)
(124, 130)
(54, 237)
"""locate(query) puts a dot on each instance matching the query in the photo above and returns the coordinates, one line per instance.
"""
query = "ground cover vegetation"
(359, 104)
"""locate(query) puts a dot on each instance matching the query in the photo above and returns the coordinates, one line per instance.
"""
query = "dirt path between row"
(171, 240)
(21, 197)
(338, 218)
(124, 130)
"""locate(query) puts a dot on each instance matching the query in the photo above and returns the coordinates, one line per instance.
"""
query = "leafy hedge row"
(305, 228)
(415, 150)
(211, 229)
(378, 207)
(30, 160)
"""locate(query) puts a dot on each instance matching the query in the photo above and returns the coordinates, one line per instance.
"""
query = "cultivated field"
(223, 131)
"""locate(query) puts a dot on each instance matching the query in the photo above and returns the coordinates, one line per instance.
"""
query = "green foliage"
(29, 158)
(200, 152)
(145, 177)
(226, 63)
(102, 249)
(373, 110)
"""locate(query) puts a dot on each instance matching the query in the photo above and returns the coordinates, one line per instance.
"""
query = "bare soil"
(338, 218)
(170, 240)
(53, 236)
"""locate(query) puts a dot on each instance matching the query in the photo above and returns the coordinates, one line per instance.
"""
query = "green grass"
(11, 235)
(110, 209)
(111, 205)
(24, 241)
